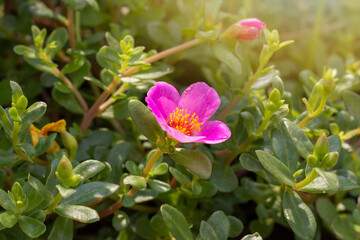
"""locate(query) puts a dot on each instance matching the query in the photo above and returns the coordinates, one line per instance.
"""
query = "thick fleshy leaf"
(176, 223)
(159, 186)
(254, 236)
(325, 182)
(207, 231)
(78, 213)
(224, 178)
(284, 148)
(298, 215)
(179, 176)
(120, 220)
(343, 226)
(351, 101)
(8, 158)
(236, 226)
(227, 56)
(137, 182)
(89, 168)
(299, 138)
(91, 191)
(65, 192)
(144, 120)
(326, 210)
(9, 219)
(276, 168)
(40, 188)
(62, 229)
(31, 227)
(59, 36)
(5, 201)
(5, 122)
(195, 161)
(221, 224)
(67, 100)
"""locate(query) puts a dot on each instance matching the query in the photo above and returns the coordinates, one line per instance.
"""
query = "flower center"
(183, 121)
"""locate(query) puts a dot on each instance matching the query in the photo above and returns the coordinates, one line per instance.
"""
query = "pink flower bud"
(247, 29)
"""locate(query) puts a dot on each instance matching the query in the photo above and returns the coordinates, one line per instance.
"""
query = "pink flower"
(185, 118)
(246, 29)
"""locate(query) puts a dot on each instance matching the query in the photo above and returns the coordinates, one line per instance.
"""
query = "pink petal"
(181, 137)
(200, 99)
(214, 132)
(162, 100)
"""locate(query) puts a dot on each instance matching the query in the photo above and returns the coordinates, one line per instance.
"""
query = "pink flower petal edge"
(198, 98)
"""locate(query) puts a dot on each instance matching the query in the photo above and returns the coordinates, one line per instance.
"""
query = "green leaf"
(62, 87)
(91, 191)
(153, 73)
(264, 228)
(5, 122)
(207, 231)
(176, 223)
(220, 223)
(75, 4)
(65, 192)
(351, 101)
(117, 111)
(195, 161)
(236, 226)
(299, 138)
(41, 10)
(226, 56)
(133, 168)
(78, 213)
(62, 229)
(143, 230)
(144, 120)
(32, 113)
(335, 143)
(161, 169)
(74, 65)
(56, 41)
(109, 59)
(137, 182)
(128, 201)
(283, 147)
(9, 219)
(120, 220)
(93, 4)
(165, 34)
(254, 236)
(326, 182)
(331, 180)
(89, 168)
(38, 64)
(159, 186)
(276, 168)
(5, 201)
(212, 7)
(31, 227)
(224, 178)
(40, 188)
(25, 51)
(8, 158)
(343, 226)
(67, 100)
(326, 210)
(298, 215)
(179, 176)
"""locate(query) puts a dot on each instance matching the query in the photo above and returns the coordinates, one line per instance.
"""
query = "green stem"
(77, 26)
(132, 191)
(265, 121)
(318, 111)
(309, 178)
(53, 204)
(16, 130)
(242, 148)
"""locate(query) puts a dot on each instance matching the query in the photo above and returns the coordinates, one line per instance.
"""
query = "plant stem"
(70, 17)
(77, 26)
(95, 109)
(242, 148)
(132, 191)
(110, 101)
(53, 204)
(309, 178)
(74, 90)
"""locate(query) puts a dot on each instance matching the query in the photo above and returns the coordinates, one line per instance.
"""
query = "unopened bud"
(21, 104)
(321, 146)
(246, 29)
(330, 160)
(69, 142)
(14, 114)
(313, 161)
(334, 128)
(64, 169)
(171, 149)
(275, 95)
(329, 86)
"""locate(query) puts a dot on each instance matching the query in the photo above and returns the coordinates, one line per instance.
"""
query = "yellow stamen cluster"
(183, 121)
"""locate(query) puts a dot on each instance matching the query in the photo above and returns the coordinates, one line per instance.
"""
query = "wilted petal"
(214, 132)
(162, 99)
(200, 99)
